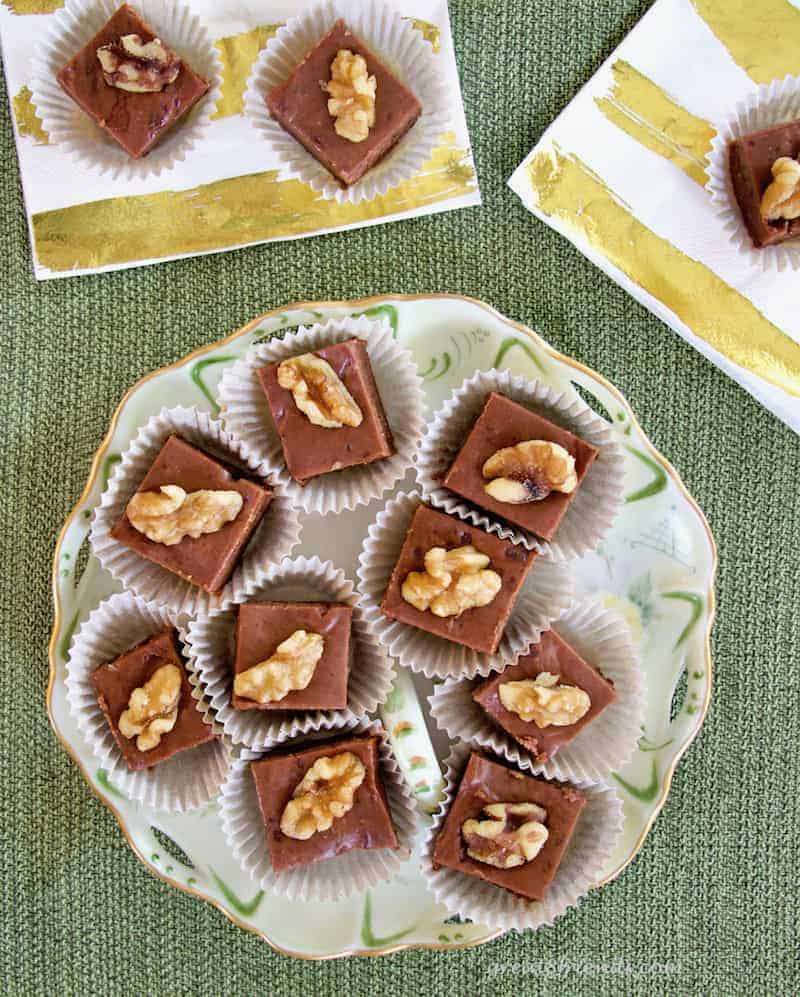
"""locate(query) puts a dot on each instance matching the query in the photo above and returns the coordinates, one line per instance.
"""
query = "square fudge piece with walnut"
(507, 828)
(546, 698)
(520, 466)
(765, 174)
(131, 84)
(327, 410)
(292, 656)
(193, 514)
(351, 810)
(148, 703)
(456, 581)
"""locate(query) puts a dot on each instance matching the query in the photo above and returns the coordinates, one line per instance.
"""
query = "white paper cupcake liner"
(181, 783)
(400, 47)
(71, 128)
(331, 879)
(275, 537)
(772, 104)
(246, 414)
(211, 644)
(544, 597)
(602, 638)
(598, 498)
(596, 833)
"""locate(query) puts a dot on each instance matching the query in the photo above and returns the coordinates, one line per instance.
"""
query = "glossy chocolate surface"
(300, 106)
(480, 628)
(552, 655)
(208, 560)
(750, 159)
(310, 450)
(367, 825)
(504, 423)
(137, 121)
(486, 781)
(262, 626)
(115, 682)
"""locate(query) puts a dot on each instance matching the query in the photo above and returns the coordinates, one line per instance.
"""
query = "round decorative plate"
(657, 567)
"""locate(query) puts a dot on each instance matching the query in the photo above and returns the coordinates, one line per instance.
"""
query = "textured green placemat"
(707, 907)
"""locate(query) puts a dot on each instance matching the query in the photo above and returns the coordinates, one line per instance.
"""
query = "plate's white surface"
(657, 567)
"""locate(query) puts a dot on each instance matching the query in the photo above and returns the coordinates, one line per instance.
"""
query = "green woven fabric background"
(714, 891)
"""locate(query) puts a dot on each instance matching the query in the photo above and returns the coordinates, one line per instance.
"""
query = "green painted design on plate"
(645, 744)
(196, 374)
(508, 344)
(658, 484)
(108, 466)
(386, 312)
(66, 640)
(244, 907)
(108, 785)
(368, 936)
(646, 794)
(696, 602)
(430, 369)
(395, 701)
(447, 363)
(640, 594)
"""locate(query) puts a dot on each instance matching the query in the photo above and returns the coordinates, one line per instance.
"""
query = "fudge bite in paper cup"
(334, 410)
(188, 519)
(754, 175)
(571, 709)
(513, 851)
(350, 99)
(321, 818)
(141, 709)
(127, 90)
(297, 653)
(448, 599)
(522, 460)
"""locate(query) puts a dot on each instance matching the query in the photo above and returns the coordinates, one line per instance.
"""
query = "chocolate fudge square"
(311, 450)
(208, 560)
(750, 159)
(137, 121)
(554, 655)
(262, 626)
(115, 682)
(486, 781)
(480, 628)
(368, 824)
(300, 106)
(504, 423)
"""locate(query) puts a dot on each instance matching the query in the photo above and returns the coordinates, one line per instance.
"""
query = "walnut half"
(153, 708)
(508, 836)
(544, 702)
(170, 514)
(352, 96)
(781, 200)
(130, 64)
(319, 392)
(529, 472)
(325, 793)
(453, 581)
(291, 667)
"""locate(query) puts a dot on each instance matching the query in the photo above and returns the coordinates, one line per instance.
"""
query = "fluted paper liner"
(331, 879)
(246, 414)
(596, 832)
(544, 597)
(400, 46)
(598, 498)
(187, 780)
(274, 538)
(68, 126)
(772, 104)
(211, 643)
(602, 639)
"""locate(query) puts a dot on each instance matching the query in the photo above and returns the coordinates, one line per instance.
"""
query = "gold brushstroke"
(762, 36)
(238, 53)
(28, 121)
(33, 6)
(231, 212)
(648, 114)
(430, 32)
(565, 188)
